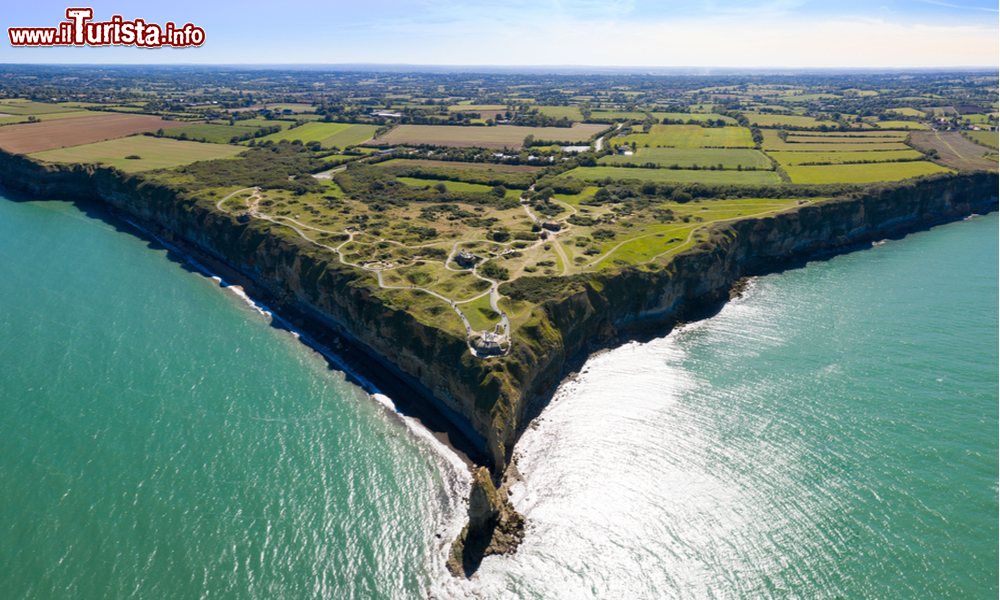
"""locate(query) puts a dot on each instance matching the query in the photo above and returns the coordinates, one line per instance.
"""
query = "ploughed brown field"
(954, 149)
(47, 135)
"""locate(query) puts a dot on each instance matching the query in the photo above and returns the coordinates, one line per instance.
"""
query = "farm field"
(500, 136)
(46, 135)
(729, 158)
(914, 125)
(675, 175)
(849, 156)
(519, 176)
(559, 112)
(211, 132)
(906, 111)
(454, 186)
(688, 136)
(292, 107)
(72, 114)
(847, 137)
(485, 111)
(954, 150)
(18, 106)
(862, 173)
(773, 142)
(769, 120)
(395, 211)
(989, 139)
(153, 153)
(329, 135)
(700, 117)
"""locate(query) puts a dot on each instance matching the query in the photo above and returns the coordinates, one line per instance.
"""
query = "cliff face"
(601, 310)
(492, 400)
(292, 274)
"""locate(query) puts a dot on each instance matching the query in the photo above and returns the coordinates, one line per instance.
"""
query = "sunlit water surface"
(831, 435)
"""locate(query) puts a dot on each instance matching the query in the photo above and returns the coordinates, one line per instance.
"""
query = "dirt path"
(501, 331)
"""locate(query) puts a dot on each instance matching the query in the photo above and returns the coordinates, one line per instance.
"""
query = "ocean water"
(831, 435)
(160, 439)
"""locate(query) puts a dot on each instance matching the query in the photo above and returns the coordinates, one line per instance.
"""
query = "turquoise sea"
(833, 434)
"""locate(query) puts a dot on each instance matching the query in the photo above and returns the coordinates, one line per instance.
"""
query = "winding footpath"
(500, 333)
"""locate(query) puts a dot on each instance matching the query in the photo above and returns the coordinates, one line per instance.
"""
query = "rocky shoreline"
(484, 406)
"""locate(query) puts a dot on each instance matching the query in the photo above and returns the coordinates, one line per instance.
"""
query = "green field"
(295, 107)
(688, 136)
(984, 138)
(329, 135)
(675, 175)
(728, 158)
(17, 106)
(901, 125)
(850, 156)
(70, 114)
(863, 173)
(455, 186)
(210, 132)
(906, 111)
(153, 152)
(519, 176)
(559, 112)
(699, 117)
(767, 120)
(887, 137)
(477, 107)
(838, 144)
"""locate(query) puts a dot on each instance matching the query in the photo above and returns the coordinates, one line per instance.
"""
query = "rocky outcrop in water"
(494, 526)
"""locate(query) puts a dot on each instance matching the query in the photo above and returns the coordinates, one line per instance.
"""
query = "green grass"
(455, 186)
(558, 112)
(72, 114)
(729, 158)
(451, 186)
(688, 136)
(827, 143)
(700, 117)
(575, 199)
(329, 135)
(295, 107)
(906, 111)
(210, 132)
(519, 176)
(667, 239)
(983, 138)
(479, 313)
(675, 175)
(902, 125)
(863, 173)
(17, 106)
(852, 156)
(154, 153)
(474, 108)
(766, 120)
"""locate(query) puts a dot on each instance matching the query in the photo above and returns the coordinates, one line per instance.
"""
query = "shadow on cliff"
(340, 355)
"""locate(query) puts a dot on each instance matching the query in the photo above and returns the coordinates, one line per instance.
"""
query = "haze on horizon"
(586, 33)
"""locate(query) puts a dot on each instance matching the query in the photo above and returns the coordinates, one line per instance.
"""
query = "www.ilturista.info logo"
(80, 30)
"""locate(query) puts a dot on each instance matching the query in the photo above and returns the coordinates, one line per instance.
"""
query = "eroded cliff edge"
(493, 400)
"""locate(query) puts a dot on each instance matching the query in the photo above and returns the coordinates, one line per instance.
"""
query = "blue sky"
(737, 33)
